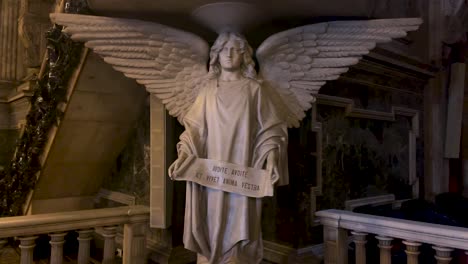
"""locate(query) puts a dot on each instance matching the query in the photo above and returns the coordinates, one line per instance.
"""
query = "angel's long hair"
(248, 64)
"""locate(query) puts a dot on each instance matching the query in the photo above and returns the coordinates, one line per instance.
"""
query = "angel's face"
(230, 57)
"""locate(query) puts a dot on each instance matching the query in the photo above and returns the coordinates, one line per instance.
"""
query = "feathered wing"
(170, 63)
(297, 62)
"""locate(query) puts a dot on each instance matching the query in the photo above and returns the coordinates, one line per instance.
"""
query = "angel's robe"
(234, 122)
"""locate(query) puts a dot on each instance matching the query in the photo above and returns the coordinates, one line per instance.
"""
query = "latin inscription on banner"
(226, 176)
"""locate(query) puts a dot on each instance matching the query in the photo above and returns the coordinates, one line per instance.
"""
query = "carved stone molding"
(115, 197)
(33, 22)
(385, 69)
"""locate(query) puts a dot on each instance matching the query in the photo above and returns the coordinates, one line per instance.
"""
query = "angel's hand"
(176, 165)
(272, 165)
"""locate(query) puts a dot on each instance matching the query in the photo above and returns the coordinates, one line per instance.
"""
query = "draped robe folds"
(237, 123)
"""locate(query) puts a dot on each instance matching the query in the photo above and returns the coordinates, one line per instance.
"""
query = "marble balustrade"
(134, 220)
(338, 224)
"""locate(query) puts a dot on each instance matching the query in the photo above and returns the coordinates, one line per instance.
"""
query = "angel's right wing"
(172, 64)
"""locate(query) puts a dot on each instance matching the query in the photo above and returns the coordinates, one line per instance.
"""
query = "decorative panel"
(379, 103)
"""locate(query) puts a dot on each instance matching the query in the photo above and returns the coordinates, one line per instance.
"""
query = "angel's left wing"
(297, 62)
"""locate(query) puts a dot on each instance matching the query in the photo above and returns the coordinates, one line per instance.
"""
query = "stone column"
(9, 14)
(84, 240)
(160, 185)
(435, 103)
(56, 243)
(412, 251)
(161, 188)
(385, 245)
(443, 254)
(27, 245)
(134, 245)
(454, 115)
(360, 242)
(109, 233)
(436, 167)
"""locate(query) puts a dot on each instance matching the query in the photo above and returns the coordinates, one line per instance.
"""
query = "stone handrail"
(337, 224)
(133, 218)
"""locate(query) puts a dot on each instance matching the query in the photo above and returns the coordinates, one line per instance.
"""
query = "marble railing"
(338, 224)
(134, 220)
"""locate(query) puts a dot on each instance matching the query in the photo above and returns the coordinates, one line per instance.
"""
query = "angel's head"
(234, 46)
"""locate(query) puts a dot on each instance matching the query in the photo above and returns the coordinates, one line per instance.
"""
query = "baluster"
(134, 245)
(56, 242)
(84, 240)
(109, 233)
(385, 245)
(443, 254)
(412, 251)
(27, 245)
(360, 242)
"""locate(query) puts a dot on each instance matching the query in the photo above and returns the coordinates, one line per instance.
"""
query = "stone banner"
(226, 176)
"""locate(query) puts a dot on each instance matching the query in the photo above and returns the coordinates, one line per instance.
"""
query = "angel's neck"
(229, 76)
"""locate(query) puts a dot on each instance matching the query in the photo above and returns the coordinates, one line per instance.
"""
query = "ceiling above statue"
(274, 8)
(262, 17)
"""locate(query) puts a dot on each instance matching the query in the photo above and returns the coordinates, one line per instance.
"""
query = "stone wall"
(131, 171)
(373, 117)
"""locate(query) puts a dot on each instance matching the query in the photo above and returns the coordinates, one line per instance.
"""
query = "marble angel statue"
(230, 113)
